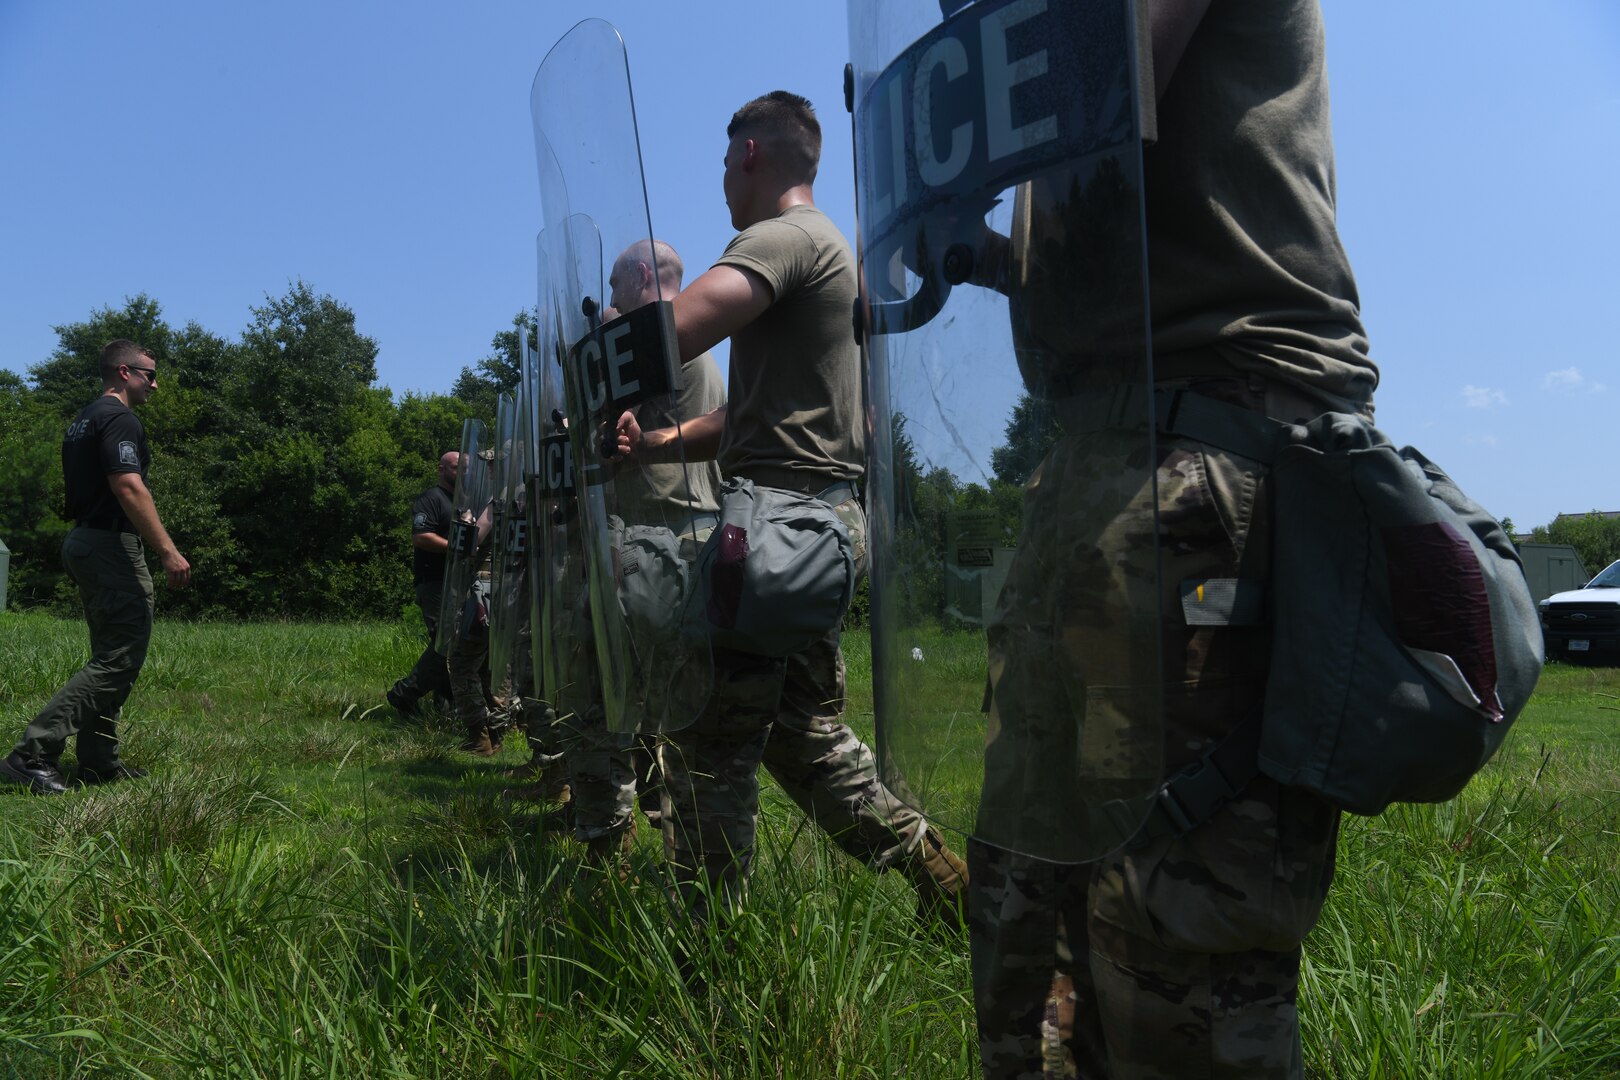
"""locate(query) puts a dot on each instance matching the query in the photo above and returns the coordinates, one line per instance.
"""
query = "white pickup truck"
(1584, 623)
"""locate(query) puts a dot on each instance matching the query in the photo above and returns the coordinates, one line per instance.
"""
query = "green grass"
(309, 886)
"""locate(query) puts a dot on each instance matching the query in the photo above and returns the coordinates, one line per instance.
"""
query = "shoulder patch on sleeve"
(127, 454)
(420, 520)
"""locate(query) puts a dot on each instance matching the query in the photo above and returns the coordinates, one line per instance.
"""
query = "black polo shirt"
(105, 438)
(430, 513)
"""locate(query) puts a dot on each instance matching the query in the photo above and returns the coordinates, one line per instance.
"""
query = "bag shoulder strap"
(1193, 795)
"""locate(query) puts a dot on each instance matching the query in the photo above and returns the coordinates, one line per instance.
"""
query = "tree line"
(285, 473)
(1594, 536)
(283, 470)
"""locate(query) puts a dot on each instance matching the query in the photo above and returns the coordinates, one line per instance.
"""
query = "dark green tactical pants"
(110, 570)
(430, 675)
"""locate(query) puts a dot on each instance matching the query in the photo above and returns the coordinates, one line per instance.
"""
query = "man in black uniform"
(431, 515)
(104, 460)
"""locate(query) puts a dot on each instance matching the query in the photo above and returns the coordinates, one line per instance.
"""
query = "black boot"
(403, 701)
(36, 776)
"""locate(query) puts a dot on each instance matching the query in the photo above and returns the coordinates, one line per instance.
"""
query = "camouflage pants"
(429, 674)
(468, 664)
(537, 719)
(600, 775)
(784, 714)
(609, 772)
(1179, 958)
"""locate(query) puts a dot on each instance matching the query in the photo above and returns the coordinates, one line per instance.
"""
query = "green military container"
(1551, 568)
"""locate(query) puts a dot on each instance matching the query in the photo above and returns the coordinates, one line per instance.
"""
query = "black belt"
(108, 524)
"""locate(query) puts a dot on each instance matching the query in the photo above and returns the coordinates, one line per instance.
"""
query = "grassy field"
(310, 886)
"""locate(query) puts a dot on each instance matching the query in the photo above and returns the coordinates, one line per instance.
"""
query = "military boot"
(401, 699)
(549, 784)
(480, 741)
(612, 852)
(941, 879)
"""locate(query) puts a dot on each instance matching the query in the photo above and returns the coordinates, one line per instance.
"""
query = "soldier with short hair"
(782, 292)
(1178, 955)
(104, 461)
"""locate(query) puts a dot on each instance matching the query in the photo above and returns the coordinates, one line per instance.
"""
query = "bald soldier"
(607, 772)
(782, 292)
(431, 515)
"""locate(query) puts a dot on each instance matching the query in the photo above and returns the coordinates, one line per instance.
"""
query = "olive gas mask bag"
(1404, 639)
(777, 574)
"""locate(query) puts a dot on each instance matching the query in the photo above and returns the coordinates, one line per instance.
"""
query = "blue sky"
(207, 154)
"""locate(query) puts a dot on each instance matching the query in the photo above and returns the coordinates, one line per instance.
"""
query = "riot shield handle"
(901, 316)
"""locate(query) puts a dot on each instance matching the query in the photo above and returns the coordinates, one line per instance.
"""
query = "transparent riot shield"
(566, 639)
(508, 606)
(636, 518)
(534, 502)
(475, 482)
(1015, 591)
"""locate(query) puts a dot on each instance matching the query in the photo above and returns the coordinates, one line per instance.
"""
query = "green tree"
(499, 372)
(282, 471)
(1595, 537)
(1031, 431)
(67, 381)
(425, 426)
(30, 492)
(315, 478)
(302, 364)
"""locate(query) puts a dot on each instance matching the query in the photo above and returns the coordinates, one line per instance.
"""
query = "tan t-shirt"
(667, 494)
(794, 417)
(1244, 257)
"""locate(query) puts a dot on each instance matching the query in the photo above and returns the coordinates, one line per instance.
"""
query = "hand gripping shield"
(1015, 630)
(652, 646)
(469, 530)
(508, 603)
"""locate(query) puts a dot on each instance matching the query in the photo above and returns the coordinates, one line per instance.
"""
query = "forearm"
(719, 303)
(697, 439)
(432, 543)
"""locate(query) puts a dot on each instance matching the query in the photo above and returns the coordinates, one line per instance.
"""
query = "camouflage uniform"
(468, 663)
(784, 714)
(613, 774)
(534, 717)
(1179, 958)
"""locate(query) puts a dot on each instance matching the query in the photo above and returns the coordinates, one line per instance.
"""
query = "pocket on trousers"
(1253, 877)
(124, 569)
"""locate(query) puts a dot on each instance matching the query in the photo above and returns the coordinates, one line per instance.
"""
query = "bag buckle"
(1170, 805)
